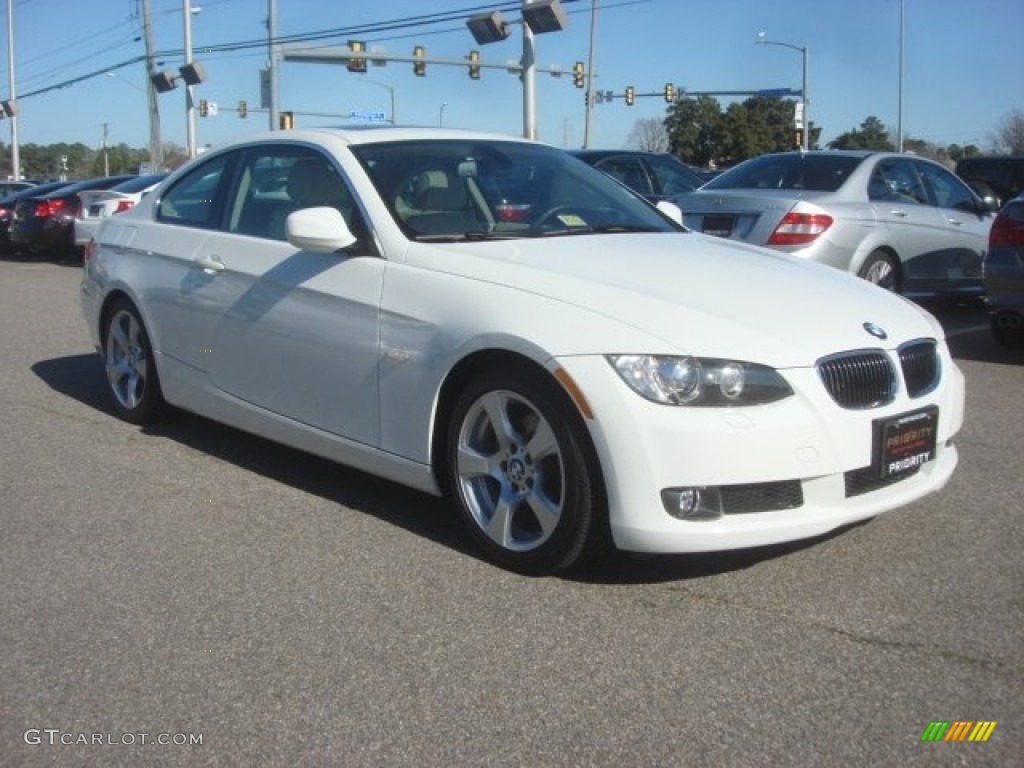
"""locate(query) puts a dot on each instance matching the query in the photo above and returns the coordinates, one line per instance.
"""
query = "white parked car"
(585, 372)
(97, 204)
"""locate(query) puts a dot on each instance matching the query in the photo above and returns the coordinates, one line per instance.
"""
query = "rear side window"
(194, 199)
(673, 178)
(628, 170)
(817, 173)
(947, 190)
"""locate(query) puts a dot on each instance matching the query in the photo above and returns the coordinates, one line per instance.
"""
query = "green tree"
(872, 134)
(694, 127)
(120, 159)
(956, 152)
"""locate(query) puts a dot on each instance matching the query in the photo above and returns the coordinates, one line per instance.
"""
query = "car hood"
(694, 294)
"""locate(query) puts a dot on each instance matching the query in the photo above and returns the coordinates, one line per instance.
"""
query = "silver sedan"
(903, 222)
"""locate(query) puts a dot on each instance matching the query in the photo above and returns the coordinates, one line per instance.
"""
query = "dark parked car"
(1004, 274)
(44, 224)
(997, 176)
(10, 187)
(8, 202)
(655, 176)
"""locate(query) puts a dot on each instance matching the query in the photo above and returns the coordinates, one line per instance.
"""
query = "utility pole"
(15, 158)
(190, 105)
(156, 150)
(272, 63)
(106, 155)
(528, 76)
(590, 77)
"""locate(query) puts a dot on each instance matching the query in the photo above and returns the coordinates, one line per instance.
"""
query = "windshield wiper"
(463, 237)
(613, 228)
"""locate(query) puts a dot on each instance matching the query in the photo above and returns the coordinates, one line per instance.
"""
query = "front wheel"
(880, 268)
(131, 371)
(522, 473)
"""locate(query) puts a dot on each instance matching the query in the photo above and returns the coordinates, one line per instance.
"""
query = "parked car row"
(56, 218)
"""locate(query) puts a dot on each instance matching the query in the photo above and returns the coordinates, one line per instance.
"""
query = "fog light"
(694, 503)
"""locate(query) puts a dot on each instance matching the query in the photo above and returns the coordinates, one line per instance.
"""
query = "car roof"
(98, 182)
(37, 190)
(360, 134)
(598, 154)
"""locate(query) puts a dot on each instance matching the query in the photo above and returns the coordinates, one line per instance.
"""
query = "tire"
(130, 367)
(523, 474)
(881, 269)
(1005, 332)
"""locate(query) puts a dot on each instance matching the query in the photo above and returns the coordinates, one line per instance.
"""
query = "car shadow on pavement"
(968, 334)
(81, 378)
(631, 568)
(979, 346)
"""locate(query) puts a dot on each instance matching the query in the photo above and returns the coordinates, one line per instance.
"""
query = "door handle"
(899, 214)
(210, 264)
(955, 222)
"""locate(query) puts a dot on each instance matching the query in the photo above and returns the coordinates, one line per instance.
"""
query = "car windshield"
(469, 190)
(819, 173)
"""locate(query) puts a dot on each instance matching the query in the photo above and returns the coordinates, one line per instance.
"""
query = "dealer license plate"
(719, 226)
(903, 443)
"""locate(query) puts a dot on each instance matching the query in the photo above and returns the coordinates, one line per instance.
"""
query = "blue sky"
(962, 72)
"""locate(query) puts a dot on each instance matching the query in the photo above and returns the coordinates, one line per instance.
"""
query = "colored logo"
(877, 331)
(958, 730)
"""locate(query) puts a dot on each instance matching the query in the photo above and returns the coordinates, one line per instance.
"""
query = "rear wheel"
(522, 473)
(880, 268)
(1007, 329)
(131, 371)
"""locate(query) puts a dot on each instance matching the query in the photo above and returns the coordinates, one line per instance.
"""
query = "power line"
(392, 25)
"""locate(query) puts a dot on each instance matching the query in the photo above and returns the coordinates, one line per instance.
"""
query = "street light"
(538, 16)
(126, 82)
(190, 110)
(390, 90)
(804, 52)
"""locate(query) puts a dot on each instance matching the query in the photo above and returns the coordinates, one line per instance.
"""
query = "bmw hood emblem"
(875, 331)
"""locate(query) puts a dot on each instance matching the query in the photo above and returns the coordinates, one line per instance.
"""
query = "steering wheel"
(541, 220)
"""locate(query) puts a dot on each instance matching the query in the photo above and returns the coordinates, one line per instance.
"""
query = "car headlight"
(700, 381)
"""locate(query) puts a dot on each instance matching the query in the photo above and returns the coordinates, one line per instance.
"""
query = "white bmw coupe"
(491, 318)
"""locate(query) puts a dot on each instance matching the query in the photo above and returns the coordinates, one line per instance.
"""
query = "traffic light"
(798, 138)
(287, 121)
(670, 92)
(630, 95)
(204, 108)
(243, 109)
(419, 68)
(358, 64)
(474, 65)
(577, 74)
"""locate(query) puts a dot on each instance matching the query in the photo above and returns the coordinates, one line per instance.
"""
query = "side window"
(896, 181)
(196, 199)
(672, 179)
(947, 190)
(274, 181)
(628, 170)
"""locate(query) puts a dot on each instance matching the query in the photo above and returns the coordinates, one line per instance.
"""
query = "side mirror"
(671, 210)
(321, 230)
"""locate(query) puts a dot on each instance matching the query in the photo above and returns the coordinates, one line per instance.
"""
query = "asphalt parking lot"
(190, 595)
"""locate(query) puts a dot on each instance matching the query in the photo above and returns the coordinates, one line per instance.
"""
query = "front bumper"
(645, 448)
